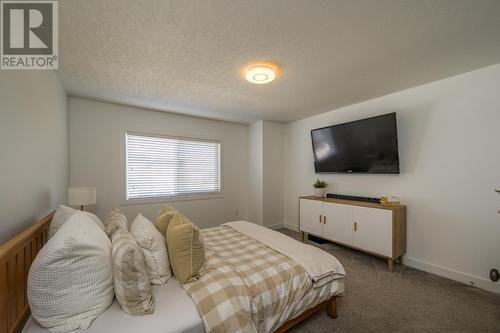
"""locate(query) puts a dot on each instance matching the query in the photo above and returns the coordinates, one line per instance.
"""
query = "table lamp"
(81, 196)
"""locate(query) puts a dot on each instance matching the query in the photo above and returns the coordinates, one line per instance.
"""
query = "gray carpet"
(407, 300)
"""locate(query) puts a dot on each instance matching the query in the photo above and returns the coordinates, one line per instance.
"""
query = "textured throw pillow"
(70, 281)
(62, 214)
(130, 274)
(185, 249)
(116, 220)
(163, 218)
(153, 244)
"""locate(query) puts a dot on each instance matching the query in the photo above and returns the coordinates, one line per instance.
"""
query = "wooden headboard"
(16, 257)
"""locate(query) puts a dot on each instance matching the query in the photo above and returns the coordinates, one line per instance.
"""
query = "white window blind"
(162, 166)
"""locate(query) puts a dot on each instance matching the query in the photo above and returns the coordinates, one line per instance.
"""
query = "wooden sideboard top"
(354, 203)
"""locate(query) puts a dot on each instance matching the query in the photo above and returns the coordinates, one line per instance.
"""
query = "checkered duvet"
(248, 287)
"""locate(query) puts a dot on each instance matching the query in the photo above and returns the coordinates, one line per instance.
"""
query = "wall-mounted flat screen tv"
(363, 146)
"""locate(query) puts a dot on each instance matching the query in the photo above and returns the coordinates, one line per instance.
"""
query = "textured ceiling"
(187, 56)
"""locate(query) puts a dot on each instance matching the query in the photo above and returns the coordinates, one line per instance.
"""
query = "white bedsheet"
(175, 312)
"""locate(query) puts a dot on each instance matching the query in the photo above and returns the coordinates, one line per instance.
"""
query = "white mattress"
(175, 312)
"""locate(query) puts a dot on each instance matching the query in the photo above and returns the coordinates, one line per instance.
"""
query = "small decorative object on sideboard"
(389, 201)
(319, 188)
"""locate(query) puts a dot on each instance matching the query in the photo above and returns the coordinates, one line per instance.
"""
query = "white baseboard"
(452, 274)
(283, 225)
(275, 226)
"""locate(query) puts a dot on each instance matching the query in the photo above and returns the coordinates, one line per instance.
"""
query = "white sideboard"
(369, 227)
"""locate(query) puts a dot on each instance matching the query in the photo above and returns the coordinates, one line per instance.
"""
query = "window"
(159, 166)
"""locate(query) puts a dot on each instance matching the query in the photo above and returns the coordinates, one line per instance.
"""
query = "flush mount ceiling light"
(260, 74)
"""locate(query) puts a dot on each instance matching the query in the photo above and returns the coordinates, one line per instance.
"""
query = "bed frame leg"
(331, 308)
(302, 236)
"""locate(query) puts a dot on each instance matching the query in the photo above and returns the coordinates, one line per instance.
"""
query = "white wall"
(449, 138)
(265, 139)
(34, 168)
(272, 165)
(255, 172)
(97, 132)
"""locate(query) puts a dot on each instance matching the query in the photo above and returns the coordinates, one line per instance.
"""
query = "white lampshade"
(81, 196)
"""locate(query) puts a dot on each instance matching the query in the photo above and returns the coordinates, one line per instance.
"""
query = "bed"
(183, 315)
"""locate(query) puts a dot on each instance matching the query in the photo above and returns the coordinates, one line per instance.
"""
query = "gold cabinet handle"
(324, 219)
(320, 219)
(355, 226)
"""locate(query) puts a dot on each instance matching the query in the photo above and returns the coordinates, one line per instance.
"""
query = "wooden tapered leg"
(390, 265)
(302, 235)
(331, 308)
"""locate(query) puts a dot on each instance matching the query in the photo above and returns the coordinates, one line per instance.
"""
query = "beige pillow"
(130, 275)
(115, 220)
(153, 244)
(185, 248)
(163, 218)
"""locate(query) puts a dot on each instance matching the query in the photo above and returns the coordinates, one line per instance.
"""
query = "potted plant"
(319, 188)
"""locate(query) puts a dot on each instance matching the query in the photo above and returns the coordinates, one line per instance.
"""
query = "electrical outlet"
(235, 217)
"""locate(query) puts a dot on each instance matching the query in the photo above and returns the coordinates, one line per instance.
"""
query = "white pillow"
(70, 281)
(62, 214)
(153, 244)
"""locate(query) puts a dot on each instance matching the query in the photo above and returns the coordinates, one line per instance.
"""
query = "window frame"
(172, 198)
